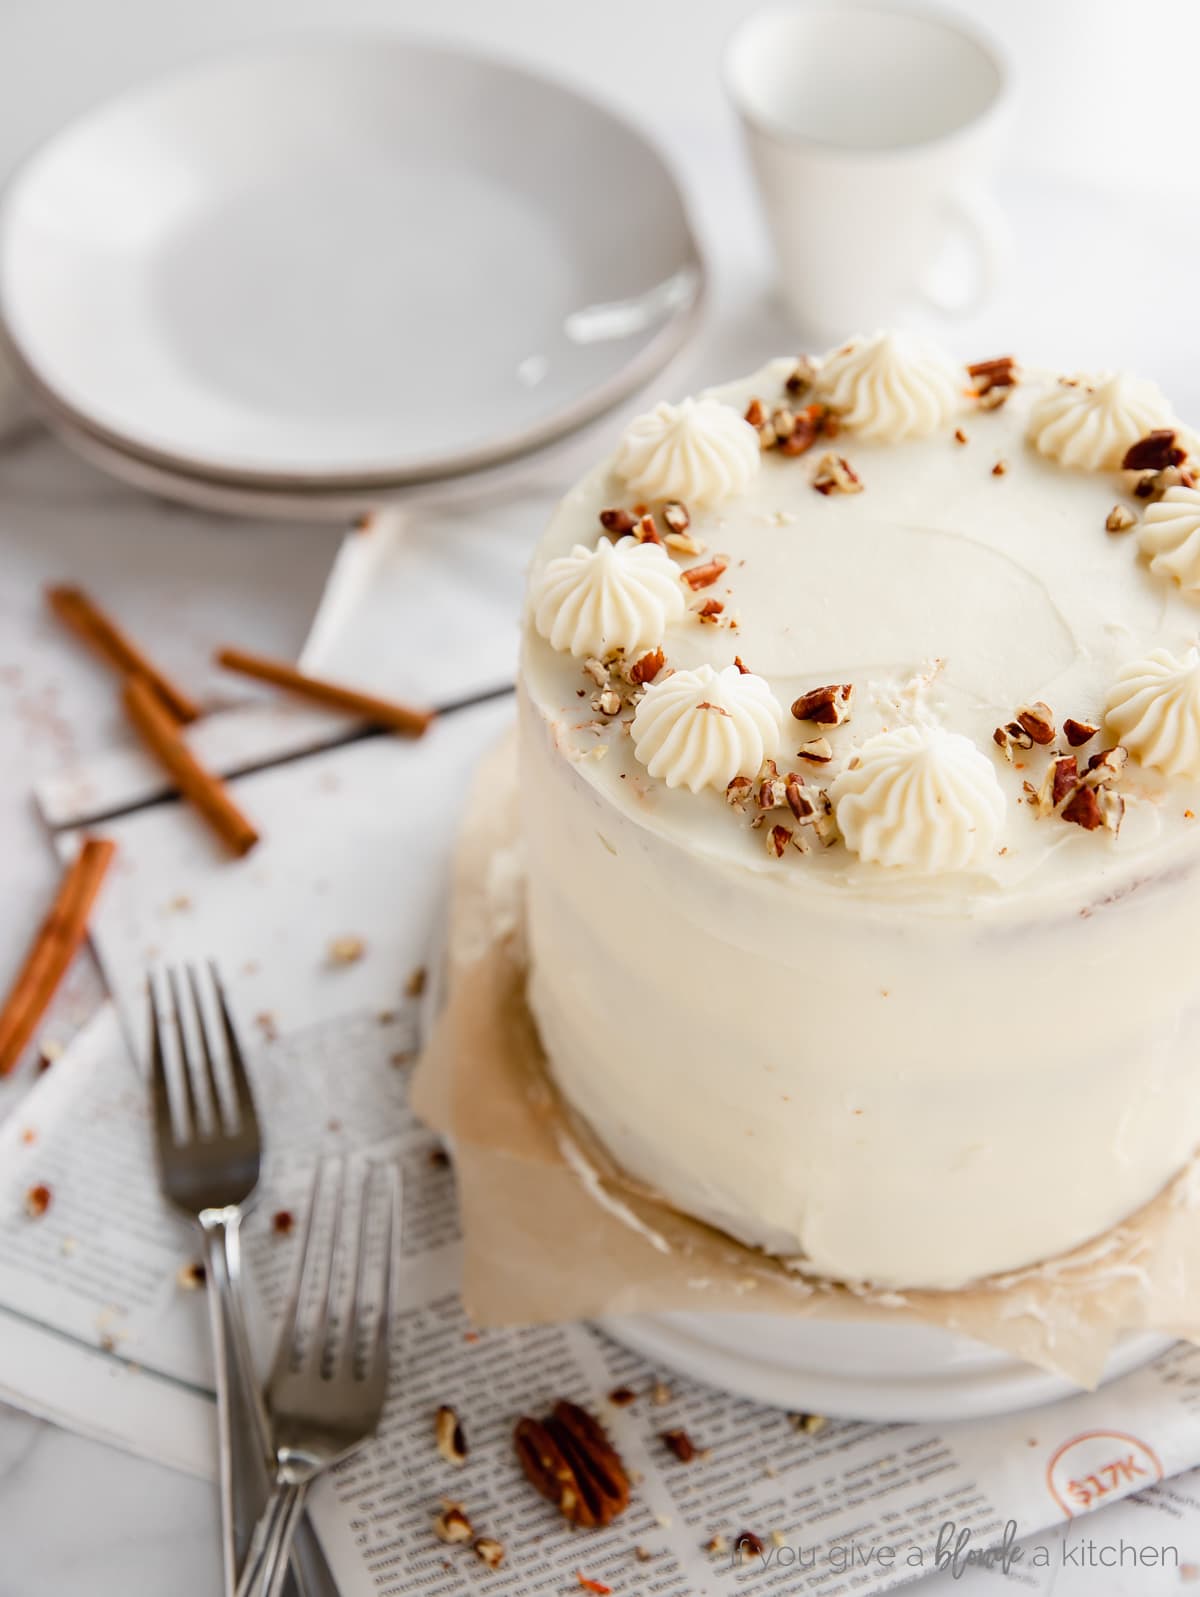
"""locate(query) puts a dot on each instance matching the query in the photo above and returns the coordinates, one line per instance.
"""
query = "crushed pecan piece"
(191, 1277)
(743, 668)
(1010, 737)
(346, 950)
(1000, 468)
(622, 1396)
(1083, 808)
(807, 426)
(489, 1551)
(716, 1545)
(597, 670)
(682, 543)
(1119, 519)
(748, 1546)
(799, 801)
(1155, 452)
(1077, 733)
(680, 1444)
(661, 1394)
(676, 517)
(1038, 720)
(450, 1436)
(835, 474)
(802, 376)
(810, 1424)
(697, 577)
(451, 1523)
(709, 610)
(647, 667)
(756, 414)
(739, 792)
(283, 1221)
(778, 839)
(596, 1586)
(618, 522)
(607, 703)
(771, 785)
(987, 375)
(1106, 766)
(817, 751)
(1112, 809)
(646, 531)
(38, 1200)
(569, 1459)
(960, 437)
(1063, 778)
(830, 705)
(783, 423)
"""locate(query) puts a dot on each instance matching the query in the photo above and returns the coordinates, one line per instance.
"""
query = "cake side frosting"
(912, 999)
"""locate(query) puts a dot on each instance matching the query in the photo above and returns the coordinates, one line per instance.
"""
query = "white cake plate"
(856, 1369)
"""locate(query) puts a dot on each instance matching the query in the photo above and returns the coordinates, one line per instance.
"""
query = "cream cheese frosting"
(621, 595)
(962, 1035)
(1154, 708)
(920, 798)
(890, 386)
(1092, 421)
(700, 451)
(1169, 536)
(702, 728)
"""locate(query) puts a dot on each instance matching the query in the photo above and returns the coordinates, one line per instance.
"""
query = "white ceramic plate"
(344, 259)
(856, 1369)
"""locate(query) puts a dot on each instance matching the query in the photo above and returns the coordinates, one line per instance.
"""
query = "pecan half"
(1038, 720)
(1155, 452)
(569, 1459)
(830, 705)
(1077, 733)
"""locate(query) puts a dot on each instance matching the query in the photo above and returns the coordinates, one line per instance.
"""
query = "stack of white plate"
(322, 273)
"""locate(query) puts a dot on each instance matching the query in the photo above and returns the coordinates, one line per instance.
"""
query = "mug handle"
(975, 215)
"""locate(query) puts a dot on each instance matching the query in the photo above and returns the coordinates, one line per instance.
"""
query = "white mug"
(870, 131)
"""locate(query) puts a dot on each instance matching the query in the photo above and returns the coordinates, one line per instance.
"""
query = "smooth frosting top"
(984, 577)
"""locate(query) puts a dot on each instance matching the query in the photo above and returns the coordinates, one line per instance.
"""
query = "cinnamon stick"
(86, 619)
(382, 712)
(200, 786)
(55, 946)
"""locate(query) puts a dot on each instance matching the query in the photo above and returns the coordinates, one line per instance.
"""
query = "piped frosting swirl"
(621, 595)
(891, 387)
(1092, 421)
(700, 451)
(1169, 537)
(702, 728)
(1154, 709)
(921, 798)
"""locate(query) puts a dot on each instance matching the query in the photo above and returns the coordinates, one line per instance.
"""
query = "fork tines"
(201, 1089)
(339, 1318)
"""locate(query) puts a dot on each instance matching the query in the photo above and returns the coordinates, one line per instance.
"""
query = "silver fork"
(325, 1395)
(209, 1157)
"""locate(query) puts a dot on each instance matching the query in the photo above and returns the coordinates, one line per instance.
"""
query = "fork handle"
(213, 1228)
(267, 1560)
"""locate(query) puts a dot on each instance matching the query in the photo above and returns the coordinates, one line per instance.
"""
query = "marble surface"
(76, 1517)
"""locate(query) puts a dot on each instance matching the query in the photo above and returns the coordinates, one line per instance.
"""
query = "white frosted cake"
(860, 766)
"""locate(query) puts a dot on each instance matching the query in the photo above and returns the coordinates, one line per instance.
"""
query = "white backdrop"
(1106, 89)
